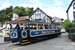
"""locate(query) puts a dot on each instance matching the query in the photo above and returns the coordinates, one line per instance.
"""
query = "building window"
(74, 6)
(74, 14)
(38, 16)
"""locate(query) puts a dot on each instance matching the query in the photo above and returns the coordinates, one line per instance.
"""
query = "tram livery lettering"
(43, 32)
(52, 31)
(48, 32)
(36, 33)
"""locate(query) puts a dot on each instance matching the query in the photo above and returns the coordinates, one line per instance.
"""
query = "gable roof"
(41, 11)
(70, 5)
(23, 18)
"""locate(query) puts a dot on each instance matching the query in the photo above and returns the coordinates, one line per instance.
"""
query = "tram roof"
(31, 22)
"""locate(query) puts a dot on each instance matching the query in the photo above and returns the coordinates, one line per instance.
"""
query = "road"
(58, 43)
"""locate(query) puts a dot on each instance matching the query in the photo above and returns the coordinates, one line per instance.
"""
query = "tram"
(32, 31)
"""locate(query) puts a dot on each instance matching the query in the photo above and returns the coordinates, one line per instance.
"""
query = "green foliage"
(8, 34)
(54, 20)
(66, 22)
(7, 14)
(69, 26)
(21, 11)
(73, 21)
(1, 31)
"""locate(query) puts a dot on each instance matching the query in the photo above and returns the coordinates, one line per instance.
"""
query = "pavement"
(58, 43)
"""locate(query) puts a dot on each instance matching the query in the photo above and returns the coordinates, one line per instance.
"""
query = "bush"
(72, 30)
(69, 26)
(1, 31)
(8, 34)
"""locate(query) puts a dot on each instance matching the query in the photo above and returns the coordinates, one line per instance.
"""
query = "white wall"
(6, 30)
(57, 19)
(15, 16)
(42, 16)
(70, 12)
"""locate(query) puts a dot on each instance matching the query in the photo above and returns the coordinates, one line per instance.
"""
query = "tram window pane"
(46, 26)
(40, 26)
(50, 26)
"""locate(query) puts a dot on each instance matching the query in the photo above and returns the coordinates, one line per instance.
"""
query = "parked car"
(63, 30)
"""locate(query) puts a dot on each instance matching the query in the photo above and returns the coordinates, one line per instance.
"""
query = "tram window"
(40, 26)
(50, 27)
(13, 26)
(46, 27)
(21, 24)
(31, 27)
(34, 27)
(21, 28)
(26, 28)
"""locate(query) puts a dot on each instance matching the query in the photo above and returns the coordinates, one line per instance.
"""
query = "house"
(71, 11)
(38, 15)
(15, 16)
(57, 20)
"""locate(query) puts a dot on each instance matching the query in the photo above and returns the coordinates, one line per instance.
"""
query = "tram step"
(24, 40)
(25, 43)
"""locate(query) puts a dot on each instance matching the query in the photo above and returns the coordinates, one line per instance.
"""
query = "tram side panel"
(30, 35)
(36, 34)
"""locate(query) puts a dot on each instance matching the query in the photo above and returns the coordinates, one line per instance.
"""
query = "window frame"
(73, 6)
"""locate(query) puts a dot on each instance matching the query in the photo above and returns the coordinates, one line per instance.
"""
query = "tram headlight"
(14, 34)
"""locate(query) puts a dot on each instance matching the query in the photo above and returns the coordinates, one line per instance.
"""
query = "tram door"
(24, 28)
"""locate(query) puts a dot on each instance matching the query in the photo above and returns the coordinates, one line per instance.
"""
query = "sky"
(50, 7)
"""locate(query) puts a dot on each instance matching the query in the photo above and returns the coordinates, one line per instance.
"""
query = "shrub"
(1, 31)
(67, 25)
(72, 30)
(8, 34)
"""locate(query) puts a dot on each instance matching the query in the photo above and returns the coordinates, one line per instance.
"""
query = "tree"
(21, 11)
(65, 22)
(67, 25)
(9, 16)
(54, 20)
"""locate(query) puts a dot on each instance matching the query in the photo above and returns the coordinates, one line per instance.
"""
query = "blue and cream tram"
(31, 31)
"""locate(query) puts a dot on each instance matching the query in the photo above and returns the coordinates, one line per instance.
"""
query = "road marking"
(25, 43)
(73, 43)
(17, 48)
